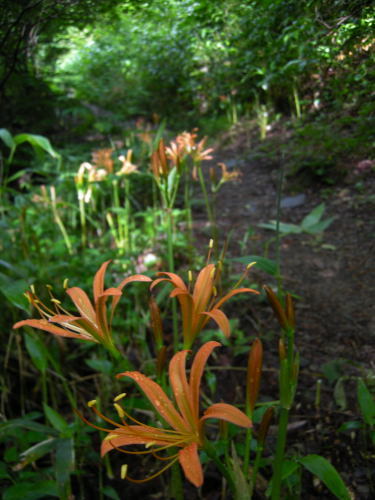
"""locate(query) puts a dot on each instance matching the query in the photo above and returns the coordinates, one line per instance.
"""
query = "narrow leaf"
(325, 471)
(55, 419)
(366, 403)
(313, 217)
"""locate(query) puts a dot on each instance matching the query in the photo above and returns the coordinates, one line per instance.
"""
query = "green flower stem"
(170, 257)
(278, 236)
(211, 452)
(120, 228)
(280, 450)
(59, 222)
(205, 195)
(176, 483)
(249, 434)
(210, 210)
(189, 220)
(256, 465)
(127, 215)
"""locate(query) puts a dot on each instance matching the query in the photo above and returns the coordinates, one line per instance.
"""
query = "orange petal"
(157, 397)
(254, 370)
(134, 277)
(134, 434)
(181, 388)
(129, 279)
(102, 319)
(43, 324)
(234, 292)
(82, 303)
(187, 310)
(203, 288)
(173, 278)
(98, 285)
(230, 413)
(196, 372)
(221, 319)
(190, 463)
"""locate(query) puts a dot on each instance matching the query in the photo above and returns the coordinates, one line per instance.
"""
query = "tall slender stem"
(278, 215)
(280, 450)
(170, 257)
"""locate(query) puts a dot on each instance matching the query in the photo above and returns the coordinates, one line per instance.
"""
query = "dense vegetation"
(94, 97)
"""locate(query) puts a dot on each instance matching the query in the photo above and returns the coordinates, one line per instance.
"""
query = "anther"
(119, 410)
(120, 396)
(124, 471)
(250, 265)
(65, 284)
(91, 403)
(148, 445)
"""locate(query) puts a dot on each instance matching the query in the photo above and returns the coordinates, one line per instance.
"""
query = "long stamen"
(244, 275)
(165, 458)
(109, 420)
(139, 481)
(127, 415)
(90, 423)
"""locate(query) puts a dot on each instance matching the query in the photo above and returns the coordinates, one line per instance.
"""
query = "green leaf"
(267, 265)
(100, 365)
(4, 471)
(171, 182)
(366, 403)
(339, 394)
(242, 491)
(55, 419)
(38, 450)
(7, 138)
(325, 471)
(14, 290)
(284, 228)
(110, 493)
(31, 491)
(65, 460)
(37, 141)
(313, 217)
(37, 352)
(320, 226)
(26, 423)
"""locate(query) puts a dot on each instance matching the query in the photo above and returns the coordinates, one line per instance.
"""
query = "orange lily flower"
(187, 427)
(93, 323)
(201, 305)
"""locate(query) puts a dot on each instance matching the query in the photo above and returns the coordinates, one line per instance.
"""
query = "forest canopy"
(180, 59)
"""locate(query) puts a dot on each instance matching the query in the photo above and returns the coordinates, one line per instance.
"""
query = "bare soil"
(332, 277)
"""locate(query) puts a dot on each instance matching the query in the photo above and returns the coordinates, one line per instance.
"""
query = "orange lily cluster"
(199, 306)
(184, 145)
(186, 432)
(93, 324)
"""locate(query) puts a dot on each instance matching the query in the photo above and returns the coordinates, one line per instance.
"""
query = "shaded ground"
(333, 278)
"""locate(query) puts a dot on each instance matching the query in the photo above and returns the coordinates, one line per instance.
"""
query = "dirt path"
(334, 280)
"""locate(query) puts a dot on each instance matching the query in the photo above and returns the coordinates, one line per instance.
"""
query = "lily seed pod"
(156, 323)
(289, 309)
(277, 307)
(265, 425)
(282, 350)
(161, 359)
(254, 370)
